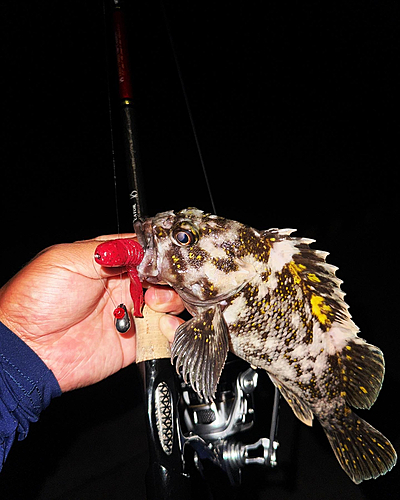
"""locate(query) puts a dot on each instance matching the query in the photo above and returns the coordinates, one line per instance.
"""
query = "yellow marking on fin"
(295, 269)
(320, 309)
(364, 390)
(313, 277)
(348, 347)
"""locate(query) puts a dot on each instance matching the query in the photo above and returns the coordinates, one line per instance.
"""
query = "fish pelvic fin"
(361, 368)
(299, 407)
(201, 346)
(362, 451)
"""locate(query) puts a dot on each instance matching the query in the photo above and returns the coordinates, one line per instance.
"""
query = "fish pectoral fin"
(299, 407)
(201, 346)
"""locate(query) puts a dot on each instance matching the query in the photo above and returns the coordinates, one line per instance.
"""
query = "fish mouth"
(147, 269)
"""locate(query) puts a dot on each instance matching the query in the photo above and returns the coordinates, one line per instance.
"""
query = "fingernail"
(163, 295)
(168, 326)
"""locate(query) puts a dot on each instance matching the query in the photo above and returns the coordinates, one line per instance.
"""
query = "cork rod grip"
(150, 342)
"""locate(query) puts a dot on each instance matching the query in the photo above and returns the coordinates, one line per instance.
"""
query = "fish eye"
(185, 236)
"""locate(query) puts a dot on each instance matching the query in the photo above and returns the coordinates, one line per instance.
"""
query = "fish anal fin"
(201, 346)
(299, 407)
(362, 368)
(362, 451)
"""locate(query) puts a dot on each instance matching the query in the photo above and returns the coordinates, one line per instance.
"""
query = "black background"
(295, 107)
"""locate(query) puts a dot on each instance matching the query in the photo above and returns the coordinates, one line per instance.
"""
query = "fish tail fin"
(362, 451)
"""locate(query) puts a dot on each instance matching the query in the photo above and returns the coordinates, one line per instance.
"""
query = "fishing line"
(275, 410)
(104, 286)
(122, 321)
(188, 108)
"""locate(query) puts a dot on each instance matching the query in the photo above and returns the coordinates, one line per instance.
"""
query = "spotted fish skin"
(275, 302)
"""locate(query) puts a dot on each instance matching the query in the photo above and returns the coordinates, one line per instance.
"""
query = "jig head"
(126, 253)
(122, 321)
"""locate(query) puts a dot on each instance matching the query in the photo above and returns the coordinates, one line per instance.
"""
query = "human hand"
(61, 305)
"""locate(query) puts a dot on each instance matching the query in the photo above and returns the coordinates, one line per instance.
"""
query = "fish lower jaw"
(153, 280)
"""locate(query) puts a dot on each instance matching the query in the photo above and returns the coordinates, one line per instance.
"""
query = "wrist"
(32, 382)
(16, 329)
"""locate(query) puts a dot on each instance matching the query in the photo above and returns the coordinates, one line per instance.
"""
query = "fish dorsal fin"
(310, 272)
(299, 407)
(201, 346)
(319, 279)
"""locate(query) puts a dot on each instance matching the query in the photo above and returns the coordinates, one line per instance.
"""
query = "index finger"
(78, 257)
(106, 237)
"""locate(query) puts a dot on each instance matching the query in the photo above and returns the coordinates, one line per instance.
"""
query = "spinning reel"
(211, 430)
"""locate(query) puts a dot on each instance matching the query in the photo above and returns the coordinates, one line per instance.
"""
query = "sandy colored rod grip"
(150, 342)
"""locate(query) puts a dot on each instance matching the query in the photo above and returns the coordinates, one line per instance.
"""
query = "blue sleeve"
(26, 388)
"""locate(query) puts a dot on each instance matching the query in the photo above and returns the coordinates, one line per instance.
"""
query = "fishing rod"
(165, 478)
(210, 428)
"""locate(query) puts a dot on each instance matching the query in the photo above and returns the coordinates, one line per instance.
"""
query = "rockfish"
(272, 300)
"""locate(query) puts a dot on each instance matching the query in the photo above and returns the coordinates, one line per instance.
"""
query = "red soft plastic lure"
(126, 253)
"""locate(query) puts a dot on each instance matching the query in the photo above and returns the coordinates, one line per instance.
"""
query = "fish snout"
(148, 268)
